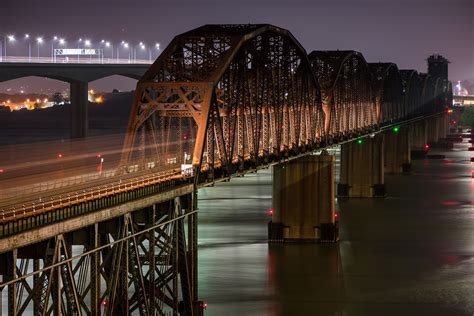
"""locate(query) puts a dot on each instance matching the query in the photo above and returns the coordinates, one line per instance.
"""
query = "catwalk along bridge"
(220, 101)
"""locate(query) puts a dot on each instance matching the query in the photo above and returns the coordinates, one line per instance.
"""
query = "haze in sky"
(403, 31)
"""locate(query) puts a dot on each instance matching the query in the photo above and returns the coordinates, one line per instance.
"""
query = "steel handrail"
(57, 202)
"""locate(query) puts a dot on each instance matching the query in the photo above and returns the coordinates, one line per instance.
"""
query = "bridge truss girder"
(250, 93)
(117, 271)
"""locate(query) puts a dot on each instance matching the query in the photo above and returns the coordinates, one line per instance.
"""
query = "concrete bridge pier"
(362, 168)
(418, 139)
(397, 147)
(79, 111)
(432, 130)
(303, 200)
(443, 122)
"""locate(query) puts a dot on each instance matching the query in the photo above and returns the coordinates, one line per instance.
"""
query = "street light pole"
(10, 38)
(52, 48)
(39, 40)
(27, 36)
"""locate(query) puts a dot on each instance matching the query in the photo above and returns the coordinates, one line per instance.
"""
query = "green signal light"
(359, 141)
(396, 129)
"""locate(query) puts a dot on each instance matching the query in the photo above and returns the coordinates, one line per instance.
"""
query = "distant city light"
(87, 42)
(39, 40)
(55, 38)
(11, 38)
(107, 44)
(62, 41)
(27, 35)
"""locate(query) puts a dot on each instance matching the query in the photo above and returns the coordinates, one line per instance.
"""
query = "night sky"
(403, 31)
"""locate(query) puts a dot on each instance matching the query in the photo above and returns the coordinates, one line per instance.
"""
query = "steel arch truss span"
(412, 89)
(235, 95)
(345, 81)
(388, 91)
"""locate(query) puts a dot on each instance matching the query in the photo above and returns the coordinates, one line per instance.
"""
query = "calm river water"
(411, 253)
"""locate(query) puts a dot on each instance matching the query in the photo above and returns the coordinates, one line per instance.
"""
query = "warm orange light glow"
(99, 99)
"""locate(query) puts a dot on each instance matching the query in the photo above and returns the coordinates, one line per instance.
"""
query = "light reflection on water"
(411, 253)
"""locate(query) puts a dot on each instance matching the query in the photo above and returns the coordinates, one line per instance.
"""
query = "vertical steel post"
(12, 288)
(152, 258)
(95, 272)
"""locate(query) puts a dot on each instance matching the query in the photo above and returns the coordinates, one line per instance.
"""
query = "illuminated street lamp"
(39, 41)
(108, 44)
(55, 38)
(61, 41)
(126, 46)
(87, 43)
(9, 38)
(27, 37)
(79, 41)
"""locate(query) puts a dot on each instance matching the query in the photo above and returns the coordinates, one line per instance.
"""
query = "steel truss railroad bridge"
(250, 96)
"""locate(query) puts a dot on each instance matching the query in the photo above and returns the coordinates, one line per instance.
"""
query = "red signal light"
(336, 216)
(2, 170)
(60, 155)
(427, 146)
(270, 211)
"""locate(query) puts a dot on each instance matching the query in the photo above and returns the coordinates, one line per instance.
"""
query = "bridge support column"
(443, 121)
(397, 151)
(362, 165)
(418, 138)
(79, 112)
(303, 200)
(432, 130)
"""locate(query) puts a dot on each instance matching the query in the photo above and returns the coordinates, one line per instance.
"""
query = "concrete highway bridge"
(220, 101)
(78, 75)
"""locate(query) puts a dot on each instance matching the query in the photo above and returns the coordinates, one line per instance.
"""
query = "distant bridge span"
(78, 76)
(250, 96)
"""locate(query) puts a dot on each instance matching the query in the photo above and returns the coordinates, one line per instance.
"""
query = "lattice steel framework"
(346, 91)
(388, 91)
(245, 92)
(412, 87)
(142, 263)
